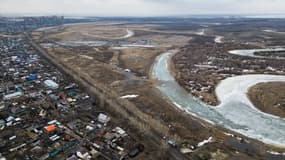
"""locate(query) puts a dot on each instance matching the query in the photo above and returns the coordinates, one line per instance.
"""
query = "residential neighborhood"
(44, 115)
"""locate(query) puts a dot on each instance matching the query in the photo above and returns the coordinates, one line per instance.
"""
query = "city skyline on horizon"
(141, 8)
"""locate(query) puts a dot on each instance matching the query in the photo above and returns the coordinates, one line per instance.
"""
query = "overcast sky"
(141, 7)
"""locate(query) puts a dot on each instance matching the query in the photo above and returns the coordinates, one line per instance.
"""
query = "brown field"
(138, 60)
(89, 32)
(269, 98)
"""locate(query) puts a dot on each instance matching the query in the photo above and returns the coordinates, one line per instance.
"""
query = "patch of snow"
(201, 32)
(129, 34)
(250, 52)
(276, 153)
(129, 96)
(186, 150)
(48, 45)
(229, 134)
(209, 140)
(178, 105)
(269, 30)
(126, 46)
(127, 70)
(218, 39)
(138, 45)
(87, 57)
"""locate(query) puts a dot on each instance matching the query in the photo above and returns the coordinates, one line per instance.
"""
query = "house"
(83, 154)
(32, 77)
(120, 131)
(72, 157)
(50, 128)
(103, 118)
(51, 84)
(109, 136)
(12, 96)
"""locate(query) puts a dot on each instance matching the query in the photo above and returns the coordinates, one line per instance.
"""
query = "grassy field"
(269, 98)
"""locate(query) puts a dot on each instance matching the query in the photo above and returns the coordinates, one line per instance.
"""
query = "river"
(235, 111)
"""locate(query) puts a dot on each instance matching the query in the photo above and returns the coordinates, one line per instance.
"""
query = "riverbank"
(235, 110)
(200, 67)
(269, 98)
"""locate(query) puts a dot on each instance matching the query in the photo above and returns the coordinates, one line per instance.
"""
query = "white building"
(51, 84)
(103, 118)
(13, 95)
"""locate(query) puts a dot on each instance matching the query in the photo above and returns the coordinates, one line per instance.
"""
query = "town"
(45, 115)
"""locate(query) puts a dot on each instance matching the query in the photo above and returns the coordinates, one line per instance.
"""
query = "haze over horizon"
(140, 7)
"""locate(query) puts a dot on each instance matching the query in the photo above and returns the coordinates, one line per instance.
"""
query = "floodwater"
(250, 52)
